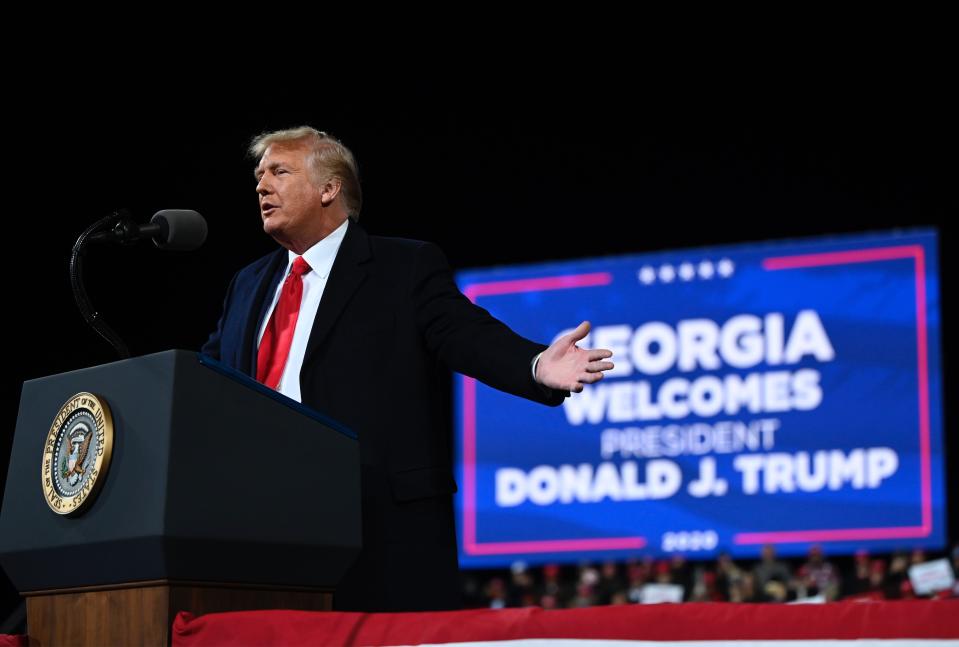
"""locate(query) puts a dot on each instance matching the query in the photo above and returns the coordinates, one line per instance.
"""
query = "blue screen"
(785, 393)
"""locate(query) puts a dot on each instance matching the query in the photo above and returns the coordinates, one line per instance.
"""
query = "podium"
(219, 495)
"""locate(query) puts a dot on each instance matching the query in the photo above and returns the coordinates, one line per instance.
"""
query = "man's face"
(290, 200)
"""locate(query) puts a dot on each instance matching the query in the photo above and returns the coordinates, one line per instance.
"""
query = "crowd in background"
(769, 579)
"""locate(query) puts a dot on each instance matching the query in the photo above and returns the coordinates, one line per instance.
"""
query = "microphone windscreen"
(181, 229)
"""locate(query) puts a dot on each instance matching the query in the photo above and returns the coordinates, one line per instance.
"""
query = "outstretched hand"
(567, 367)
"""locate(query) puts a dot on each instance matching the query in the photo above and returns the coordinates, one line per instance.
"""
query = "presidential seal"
(76, 454)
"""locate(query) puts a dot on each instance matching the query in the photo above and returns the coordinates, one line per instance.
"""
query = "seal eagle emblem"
(76, 453)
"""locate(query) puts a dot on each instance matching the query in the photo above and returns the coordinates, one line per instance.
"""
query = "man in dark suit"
(365, 329)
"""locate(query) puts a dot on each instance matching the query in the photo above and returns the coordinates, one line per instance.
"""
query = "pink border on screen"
(470, 545)
(916, 253)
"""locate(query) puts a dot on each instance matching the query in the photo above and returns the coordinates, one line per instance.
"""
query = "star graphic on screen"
(667, 273)
(705, 270)
(725, 267)
(647, 275)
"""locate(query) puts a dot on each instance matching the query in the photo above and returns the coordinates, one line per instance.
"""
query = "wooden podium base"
(142, 613)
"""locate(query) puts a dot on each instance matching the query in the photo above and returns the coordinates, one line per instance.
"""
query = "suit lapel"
(346, 276)
(265, 287)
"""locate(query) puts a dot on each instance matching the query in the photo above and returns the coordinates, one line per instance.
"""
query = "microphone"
(171, 229)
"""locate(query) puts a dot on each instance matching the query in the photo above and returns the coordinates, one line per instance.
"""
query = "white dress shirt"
(320, 258)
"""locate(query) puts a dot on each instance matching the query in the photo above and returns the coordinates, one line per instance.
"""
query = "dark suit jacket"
(389, 327)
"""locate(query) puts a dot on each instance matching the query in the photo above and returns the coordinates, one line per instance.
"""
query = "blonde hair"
(329, 158)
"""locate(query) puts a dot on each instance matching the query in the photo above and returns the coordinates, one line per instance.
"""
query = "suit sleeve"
(212, 345)
(467, 338)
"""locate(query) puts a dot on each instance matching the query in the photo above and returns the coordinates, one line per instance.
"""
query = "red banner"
(661, 623)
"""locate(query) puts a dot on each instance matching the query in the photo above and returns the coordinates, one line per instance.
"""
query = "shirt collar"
(322, 254)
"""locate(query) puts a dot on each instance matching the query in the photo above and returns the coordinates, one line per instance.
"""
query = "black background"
(495, 172)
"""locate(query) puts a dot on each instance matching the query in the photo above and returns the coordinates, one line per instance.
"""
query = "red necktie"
(278, 336)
